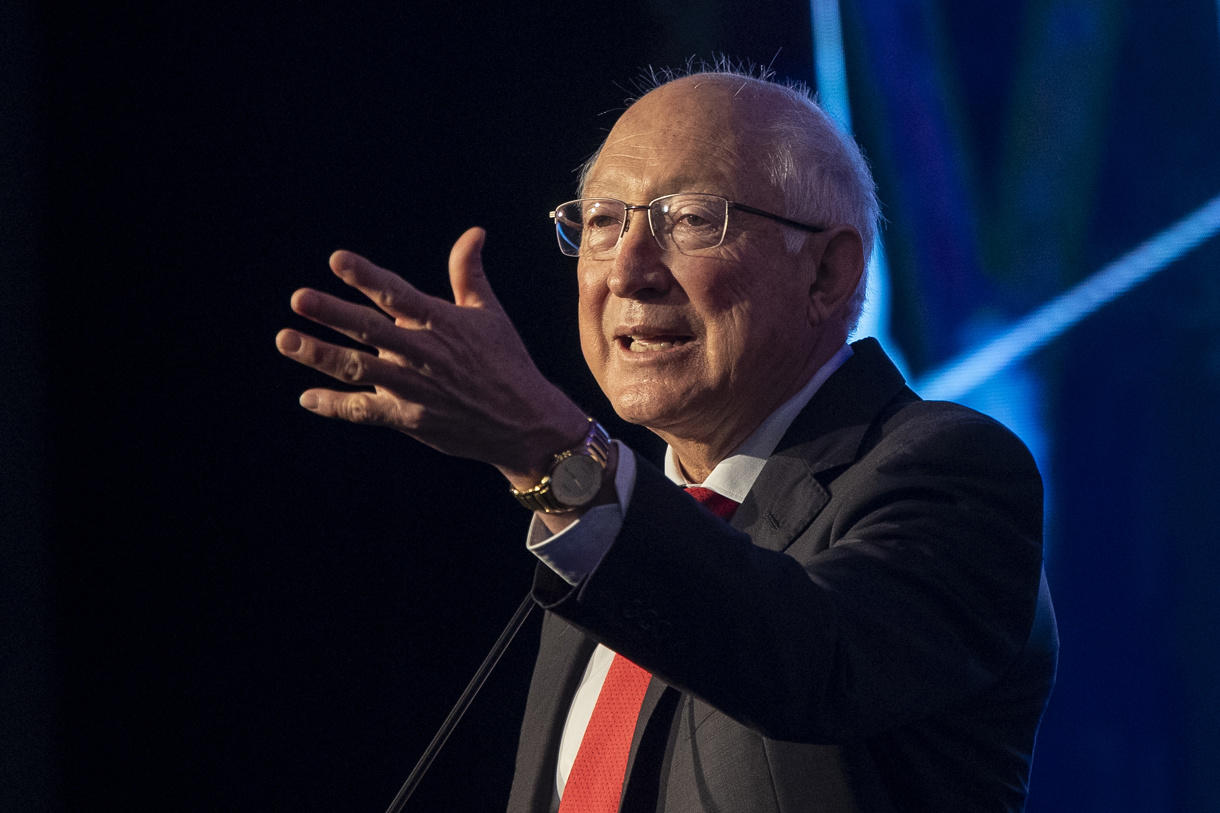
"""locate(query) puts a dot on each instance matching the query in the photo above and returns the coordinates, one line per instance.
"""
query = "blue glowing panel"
(959, 377)
(830, 68)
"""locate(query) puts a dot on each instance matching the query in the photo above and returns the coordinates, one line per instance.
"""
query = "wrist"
(573, 478)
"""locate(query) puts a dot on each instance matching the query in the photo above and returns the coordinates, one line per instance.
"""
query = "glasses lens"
(590, 227)
(690, 222)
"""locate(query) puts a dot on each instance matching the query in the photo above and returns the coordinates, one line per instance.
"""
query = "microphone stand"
(476, 683)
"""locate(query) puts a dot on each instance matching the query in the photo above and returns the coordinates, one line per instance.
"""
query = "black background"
(213, 599)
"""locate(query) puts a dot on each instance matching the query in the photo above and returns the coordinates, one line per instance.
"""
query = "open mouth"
(651, 344)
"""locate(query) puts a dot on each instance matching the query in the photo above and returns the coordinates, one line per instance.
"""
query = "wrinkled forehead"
(697, 134)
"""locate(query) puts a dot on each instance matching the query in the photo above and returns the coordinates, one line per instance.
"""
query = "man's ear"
(840, 264)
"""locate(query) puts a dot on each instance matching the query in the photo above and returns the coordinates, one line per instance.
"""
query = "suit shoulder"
(949, 439)
(945, 420)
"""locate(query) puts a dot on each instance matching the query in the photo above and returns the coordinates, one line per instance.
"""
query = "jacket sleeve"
(913, 589)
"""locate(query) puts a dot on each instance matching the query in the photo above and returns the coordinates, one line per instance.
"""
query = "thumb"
(470, 286)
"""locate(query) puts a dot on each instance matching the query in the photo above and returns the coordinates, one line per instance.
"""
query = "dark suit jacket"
(872, 633)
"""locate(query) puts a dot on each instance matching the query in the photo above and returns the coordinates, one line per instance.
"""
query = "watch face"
(576, 480)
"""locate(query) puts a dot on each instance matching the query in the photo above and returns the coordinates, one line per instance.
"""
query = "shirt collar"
(734, 476)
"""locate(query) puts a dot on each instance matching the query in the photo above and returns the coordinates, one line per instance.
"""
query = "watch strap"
(541, 497)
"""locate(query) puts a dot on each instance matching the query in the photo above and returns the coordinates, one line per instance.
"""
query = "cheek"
(591, 346)
(733, 302)
(591, 292)
(743, 274)
(728, 296)
(590, 312)
(753, 320)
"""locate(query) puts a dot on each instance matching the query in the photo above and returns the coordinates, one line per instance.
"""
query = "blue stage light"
(959, 377)
(830, 70)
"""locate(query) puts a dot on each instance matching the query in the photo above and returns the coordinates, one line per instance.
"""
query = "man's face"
(695, 347)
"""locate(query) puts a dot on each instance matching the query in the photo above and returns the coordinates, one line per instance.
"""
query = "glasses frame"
(667, 242)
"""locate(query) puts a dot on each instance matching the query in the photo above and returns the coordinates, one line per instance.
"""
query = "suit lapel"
(825, 438)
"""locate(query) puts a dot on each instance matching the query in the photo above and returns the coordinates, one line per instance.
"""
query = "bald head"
(775, 132)
(724, 108)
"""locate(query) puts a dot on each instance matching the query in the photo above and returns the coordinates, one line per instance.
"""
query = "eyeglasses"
(688, 222)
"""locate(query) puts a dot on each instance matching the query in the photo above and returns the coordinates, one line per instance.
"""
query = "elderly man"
(850, 614)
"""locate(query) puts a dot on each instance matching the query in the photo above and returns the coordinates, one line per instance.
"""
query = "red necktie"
(718, 504)
(595, 783)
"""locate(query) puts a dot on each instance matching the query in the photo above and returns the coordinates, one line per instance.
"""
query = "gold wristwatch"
(575, 476)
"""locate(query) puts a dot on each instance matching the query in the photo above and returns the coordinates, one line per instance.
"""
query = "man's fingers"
(410, 307)
(360, 322)
(470, 286)
(441, 372)
(391, 404)
(374, 408)
(350, 366)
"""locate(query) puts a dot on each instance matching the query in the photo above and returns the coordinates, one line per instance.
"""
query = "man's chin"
(662, 412)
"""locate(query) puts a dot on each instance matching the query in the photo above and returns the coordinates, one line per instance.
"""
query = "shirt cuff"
(577, 550)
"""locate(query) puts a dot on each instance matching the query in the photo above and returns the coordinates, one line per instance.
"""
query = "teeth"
(638, 345)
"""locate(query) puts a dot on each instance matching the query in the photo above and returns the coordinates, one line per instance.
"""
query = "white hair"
(821, 171)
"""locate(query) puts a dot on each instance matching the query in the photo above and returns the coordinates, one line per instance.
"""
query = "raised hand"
(454, 375)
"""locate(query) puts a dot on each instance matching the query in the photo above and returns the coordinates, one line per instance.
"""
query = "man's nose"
(639, 269)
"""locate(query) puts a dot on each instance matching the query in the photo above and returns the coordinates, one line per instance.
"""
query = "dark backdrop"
(215, 600)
